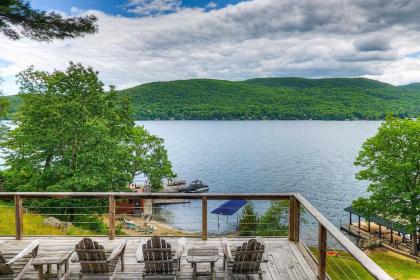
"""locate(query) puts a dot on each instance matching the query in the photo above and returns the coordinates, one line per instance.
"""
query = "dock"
(170, 201)
(397, 245)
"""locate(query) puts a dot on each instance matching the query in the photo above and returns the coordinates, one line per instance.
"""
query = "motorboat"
(197, 186)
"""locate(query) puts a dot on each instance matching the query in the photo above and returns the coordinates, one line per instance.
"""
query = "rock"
(51, 221)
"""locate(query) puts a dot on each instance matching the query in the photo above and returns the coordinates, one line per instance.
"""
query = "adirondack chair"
(18, 264)
(246, 260)
(94, 261)
(159, 259)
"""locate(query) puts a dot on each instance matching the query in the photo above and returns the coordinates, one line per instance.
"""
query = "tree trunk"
(414, 239)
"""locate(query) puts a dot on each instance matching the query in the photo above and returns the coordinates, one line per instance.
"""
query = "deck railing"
(297, 205)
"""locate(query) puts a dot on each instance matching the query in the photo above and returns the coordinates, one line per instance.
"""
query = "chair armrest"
(74, 258)
(139, 252)
(67, 255)
(118, 251)
(33, 247)
(180, 248)
(226, 249)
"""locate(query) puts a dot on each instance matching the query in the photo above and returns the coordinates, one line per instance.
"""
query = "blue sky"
(116, 7)
(141, 41)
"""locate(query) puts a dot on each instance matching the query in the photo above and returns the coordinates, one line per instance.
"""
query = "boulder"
(51, 221)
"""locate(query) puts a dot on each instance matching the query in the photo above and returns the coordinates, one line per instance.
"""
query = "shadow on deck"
(283, 260)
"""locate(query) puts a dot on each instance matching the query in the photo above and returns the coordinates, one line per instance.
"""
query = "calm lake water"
(314, 158)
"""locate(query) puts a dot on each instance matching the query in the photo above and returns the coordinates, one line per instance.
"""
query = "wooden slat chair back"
(248, 257)
(158, 256)
(92, 256)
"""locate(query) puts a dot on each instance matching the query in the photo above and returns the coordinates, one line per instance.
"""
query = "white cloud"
(259, 38)
(211, 5)
(153, 7)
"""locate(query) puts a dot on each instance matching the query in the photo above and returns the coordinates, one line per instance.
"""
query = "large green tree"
(71, 135)
(391, 162)
(18, 18)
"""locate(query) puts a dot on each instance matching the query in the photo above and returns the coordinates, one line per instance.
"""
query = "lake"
(314, 158)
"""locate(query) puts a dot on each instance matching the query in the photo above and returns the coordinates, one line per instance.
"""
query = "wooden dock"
(283, 258)
(397, 246)
(170, 201)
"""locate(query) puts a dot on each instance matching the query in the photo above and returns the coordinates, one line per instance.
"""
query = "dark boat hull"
(198, 190)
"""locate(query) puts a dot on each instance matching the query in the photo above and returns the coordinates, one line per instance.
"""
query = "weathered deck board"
(284, 260)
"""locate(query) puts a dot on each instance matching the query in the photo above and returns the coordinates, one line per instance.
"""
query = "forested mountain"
(272, 98)
(414, 86)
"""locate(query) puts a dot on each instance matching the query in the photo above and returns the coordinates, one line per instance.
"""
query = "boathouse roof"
(397, 226)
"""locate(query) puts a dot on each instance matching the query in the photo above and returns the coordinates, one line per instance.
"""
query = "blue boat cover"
(230, 207)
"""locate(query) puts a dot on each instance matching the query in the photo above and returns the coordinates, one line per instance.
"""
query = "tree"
(249, 221)
(391, 162)
(4, 104)
(73, 136)
(274, 221)
(18, 18)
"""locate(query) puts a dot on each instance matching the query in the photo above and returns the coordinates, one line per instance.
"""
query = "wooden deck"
(283, 259)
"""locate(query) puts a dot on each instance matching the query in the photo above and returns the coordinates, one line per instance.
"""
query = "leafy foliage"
(249, 221)
(274, 222)
(391, 162)
(18, 18)
(4, 104)
(72, 136)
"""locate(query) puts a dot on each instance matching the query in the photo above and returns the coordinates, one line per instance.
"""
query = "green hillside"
(272, 98)
(295, 82)
(414, 86)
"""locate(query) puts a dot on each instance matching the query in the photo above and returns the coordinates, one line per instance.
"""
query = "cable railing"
(329, 252)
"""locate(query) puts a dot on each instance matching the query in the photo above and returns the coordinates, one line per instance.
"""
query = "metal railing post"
(322, 249)
(204, 218)
(111, 216)
(18, 217)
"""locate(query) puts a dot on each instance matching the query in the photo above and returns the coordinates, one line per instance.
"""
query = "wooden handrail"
(375, 270)
(105, 195)
(296, 201)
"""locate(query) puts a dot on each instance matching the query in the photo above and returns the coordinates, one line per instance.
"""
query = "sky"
(141, 41)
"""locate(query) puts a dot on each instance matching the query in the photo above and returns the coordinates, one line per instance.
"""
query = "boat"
(197, 186)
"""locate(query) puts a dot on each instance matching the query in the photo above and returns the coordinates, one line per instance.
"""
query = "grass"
(397, 266)
(346, 267)
(33, 224)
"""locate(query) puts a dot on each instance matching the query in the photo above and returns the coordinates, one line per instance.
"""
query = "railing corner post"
(204, 218)
(294, 219)
(111, 216)
(18, 217)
